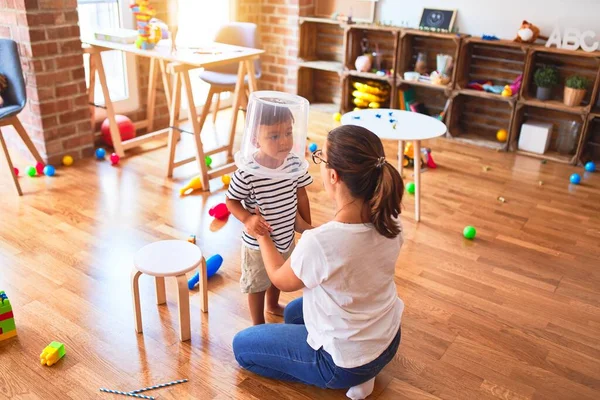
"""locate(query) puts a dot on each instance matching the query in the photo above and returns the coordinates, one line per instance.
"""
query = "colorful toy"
(506, 92)
(8, 328)
(193, 184)
(226, 179)
(208, 161)
(16, 171)
(39, 168)
(220, 211)
(67, 161)
(590, 166)
(31, 171)
(126, 129)
(528, 33)
(114, 158)
(369, 95)
(312, 147)
(575, 179)
(192, 239)
(52, 353)
(489, 37)
(337, 117)
(49, 170)
(100, 153)
(410, 187)
(409, 157)
(469, 232)
(148, 34)
(212, 266)
(501, 135)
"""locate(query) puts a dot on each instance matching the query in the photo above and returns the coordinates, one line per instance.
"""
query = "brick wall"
(57, 115)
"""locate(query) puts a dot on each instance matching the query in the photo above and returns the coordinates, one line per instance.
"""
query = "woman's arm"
(303, 204)
(301, 225)
(279, 271)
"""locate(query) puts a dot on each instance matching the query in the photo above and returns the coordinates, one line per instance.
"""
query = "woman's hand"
(256, 225)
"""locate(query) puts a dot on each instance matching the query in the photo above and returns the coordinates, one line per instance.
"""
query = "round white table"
(400, 125)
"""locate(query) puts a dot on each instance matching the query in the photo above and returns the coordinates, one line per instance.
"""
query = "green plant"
(546, 76)
(577, 82)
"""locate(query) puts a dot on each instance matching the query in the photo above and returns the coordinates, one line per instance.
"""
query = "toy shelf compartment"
(476, 120)
(413, 41)
(434, 100)
(565, 139)
(348, 99)
(591, 145)
(567, 63)
(385, 39)
(499, 61)
(321, 88)
(321, 44)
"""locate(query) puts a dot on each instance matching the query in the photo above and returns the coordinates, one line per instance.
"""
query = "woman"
(346, 327)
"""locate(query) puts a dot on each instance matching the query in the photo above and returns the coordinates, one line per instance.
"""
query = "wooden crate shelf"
(561, 121)
(369, 75)
(441, 88)
(347, 98)
(591, 144)
(320, 87)
(554, 105)
(433, 99)
(487, 95)
(321, 40)
(332, 66)
(476, 120)
(382, 38)
(412, 42)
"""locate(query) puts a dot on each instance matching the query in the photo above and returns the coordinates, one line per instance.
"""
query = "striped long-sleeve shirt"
(277, 201)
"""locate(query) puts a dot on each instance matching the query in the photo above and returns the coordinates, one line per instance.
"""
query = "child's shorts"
(254, 275)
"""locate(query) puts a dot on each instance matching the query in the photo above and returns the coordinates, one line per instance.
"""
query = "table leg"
(400, 156)
(161, 297)
(417, 154)
(110, 111)
(237, 94)
(175, 102)
(197, 130)
(183, 299)
(203, 287)
(135, 291)
(151, 100)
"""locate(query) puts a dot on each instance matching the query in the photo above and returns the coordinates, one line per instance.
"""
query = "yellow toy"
(226, 179)
(193, 184)
(365, 88)
(507, 92)
(367, 96)
(337, 117)
(67, 161)
(52, 353)
(502, 135)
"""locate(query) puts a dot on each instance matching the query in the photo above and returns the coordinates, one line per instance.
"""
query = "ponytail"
(356, 154)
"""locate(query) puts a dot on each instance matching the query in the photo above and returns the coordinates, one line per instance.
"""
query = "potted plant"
(575, 87)
(545, 78)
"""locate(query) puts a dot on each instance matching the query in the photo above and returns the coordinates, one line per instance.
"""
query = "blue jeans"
(280, 351)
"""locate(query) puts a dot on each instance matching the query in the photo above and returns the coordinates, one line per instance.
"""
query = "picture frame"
(437, 20)
(361, 10)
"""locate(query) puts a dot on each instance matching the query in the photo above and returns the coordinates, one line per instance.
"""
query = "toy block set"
(8, 328)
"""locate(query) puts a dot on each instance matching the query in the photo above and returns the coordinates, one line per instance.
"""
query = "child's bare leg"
(256, 303)
(273, 306)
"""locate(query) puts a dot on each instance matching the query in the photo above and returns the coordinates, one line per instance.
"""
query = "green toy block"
(8, 325)
(52, 353)
(4, 303)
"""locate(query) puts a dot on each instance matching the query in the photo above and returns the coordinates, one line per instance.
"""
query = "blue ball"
(575, 179)
(590, 166)
(312, 147)
(100, 153)
(49, 170)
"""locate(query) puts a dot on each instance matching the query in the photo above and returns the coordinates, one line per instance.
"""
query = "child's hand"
(256, 225)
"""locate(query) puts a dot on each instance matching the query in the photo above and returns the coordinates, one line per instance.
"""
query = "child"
(276, 200)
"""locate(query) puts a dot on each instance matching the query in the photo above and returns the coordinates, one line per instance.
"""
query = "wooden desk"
(178, 64)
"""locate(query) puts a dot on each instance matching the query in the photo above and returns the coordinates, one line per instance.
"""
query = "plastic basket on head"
(274, 139)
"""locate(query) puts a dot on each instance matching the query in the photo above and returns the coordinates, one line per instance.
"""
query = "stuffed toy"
(3, 86)
(528, 33)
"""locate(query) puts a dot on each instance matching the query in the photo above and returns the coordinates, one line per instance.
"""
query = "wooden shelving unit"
(328, 50)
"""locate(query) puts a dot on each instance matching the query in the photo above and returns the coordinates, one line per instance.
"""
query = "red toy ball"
(16, 171)
(220, 211)
(39, 167)
(114, 158)
(126, 129)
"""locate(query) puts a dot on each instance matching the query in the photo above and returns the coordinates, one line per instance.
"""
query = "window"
(121, 75)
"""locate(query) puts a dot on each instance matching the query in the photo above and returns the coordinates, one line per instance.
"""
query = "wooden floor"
(515, 314)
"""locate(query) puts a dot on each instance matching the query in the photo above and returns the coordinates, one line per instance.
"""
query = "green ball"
(31, 171)
(410, 187)
(208, 161)
(469, 232)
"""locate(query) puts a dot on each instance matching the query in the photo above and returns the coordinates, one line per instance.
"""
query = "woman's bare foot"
(277, 310)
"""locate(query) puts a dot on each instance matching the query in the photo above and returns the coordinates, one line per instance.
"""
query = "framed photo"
(437, 20)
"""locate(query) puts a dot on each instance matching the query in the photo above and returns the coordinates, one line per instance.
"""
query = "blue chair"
(15, 98)
(223, 79)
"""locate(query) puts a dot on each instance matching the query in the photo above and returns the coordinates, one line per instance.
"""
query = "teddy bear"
(528, 33)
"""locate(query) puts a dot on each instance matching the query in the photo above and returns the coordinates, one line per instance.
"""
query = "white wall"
(499, 17)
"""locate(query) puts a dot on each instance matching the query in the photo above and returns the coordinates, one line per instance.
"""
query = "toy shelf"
(591, 144)
(332, 66)
(433, 99)
(565, 140)
(379, 38)
(321, 88)
(442, 88)
(567, 63)
(413, 41)
(487, 95)
(476, 120)
(348, 100)
(321, 44)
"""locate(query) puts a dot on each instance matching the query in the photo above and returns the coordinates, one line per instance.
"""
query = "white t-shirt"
(351, 307)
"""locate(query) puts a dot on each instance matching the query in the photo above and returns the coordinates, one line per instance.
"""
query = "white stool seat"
(167, 258)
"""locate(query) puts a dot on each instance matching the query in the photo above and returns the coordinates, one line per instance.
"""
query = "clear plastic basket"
(274, 139)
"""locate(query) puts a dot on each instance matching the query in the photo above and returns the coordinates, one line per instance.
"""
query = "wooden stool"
(169, 258)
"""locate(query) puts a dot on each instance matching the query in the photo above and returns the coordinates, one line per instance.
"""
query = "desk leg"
(175, 103)
(237, 96)
(417, 153)
(91, 90)
(166, 84)
(197, 130)
(151, 100)
(252, 84)
(400, 156)
(110, 111)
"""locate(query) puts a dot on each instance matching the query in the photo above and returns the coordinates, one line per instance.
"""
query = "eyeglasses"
(317, 157)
